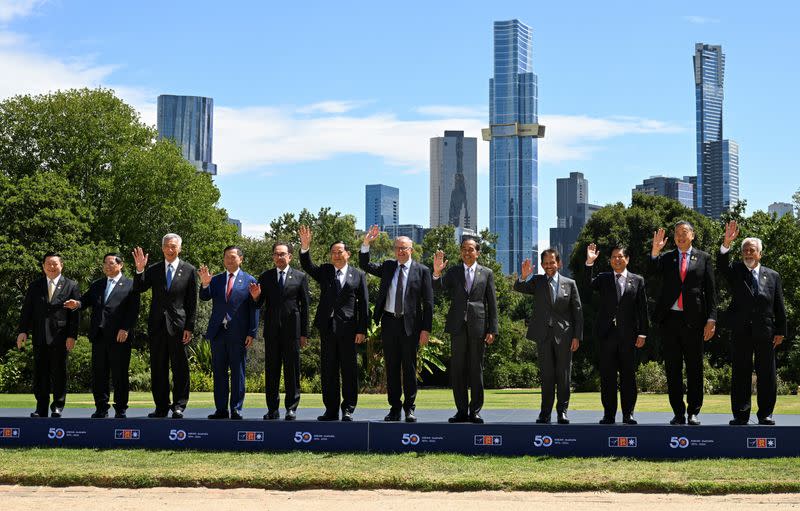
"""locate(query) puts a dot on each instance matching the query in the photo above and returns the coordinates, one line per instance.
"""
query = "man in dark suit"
(54, 332)
(173, 311)
(620, 326)
(686, 311)
(283, 291)
(404, 310)
(342, 318)
(557, 327)
(758, 321)
(231, 330)
(471, 323)
(115, 309)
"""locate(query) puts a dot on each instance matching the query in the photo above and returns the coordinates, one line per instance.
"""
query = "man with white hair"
(173, 311)
(758, 321)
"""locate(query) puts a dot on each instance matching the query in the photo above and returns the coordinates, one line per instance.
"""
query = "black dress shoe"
(459, 417)
(766, 421)
(410, 417)
(327, 418)
(607, 420)
(739, 422)
(347, 416)
(218, 415)
(392, 417)
(36, 415)
(272, 415)
(120, 415)
(56, 414)
(290, 415)
(99, 415)
(628, 419)
(177, 413)
(693, 420)
(678, 420)
(236, 416)
(562, 418)
(158, 414)
(476, 418)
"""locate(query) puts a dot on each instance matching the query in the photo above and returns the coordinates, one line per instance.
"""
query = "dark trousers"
(115, 358)
(282, 350)
(49, 374)
(466, 370)
(228, 358)
(745, 346)
(400, 354)
(683, 344)
(555, 367)
(338, 355)
(165, 351)
(617, 355)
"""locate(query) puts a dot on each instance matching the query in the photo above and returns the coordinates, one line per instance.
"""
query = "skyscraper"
(672, 187)
(717, 186)
(781, 208)
(454, 180)
(513, 153)
(572, 211)
(382, 206)
(189, 121)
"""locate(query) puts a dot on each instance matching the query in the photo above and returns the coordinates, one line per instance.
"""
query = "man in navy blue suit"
(231, 330)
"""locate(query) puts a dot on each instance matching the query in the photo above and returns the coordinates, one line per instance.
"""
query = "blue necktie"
(753, 282)
(109, 288)
(169, 276)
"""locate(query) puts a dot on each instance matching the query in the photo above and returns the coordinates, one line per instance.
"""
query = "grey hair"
(755, 241)
(171, 236)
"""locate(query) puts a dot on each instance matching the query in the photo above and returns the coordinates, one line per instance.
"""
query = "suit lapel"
(59, 289)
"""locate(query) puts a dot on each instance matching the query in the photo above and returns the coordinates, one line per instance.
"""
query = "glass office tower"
(454, 180)
(382, 206)
(189, 121)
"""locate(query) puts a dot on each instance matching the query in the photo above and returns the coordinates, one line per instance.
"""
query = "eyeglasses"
(280, 254)
(403, 249)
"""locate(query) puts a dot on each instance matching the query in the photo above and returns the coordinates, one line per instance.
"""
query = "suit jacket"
(479, 305)
(49, 321)
(699, 294)
(285, 310)
(418, 297)
(564, 315)
(630, 312)
(765, 310)
(240, 310)
(350, 306)
(175, 308)
(119, 312)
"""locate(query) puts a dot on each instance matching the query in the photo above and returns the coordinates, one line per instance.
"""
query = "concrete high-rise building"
(189, 121)
(382, 206)
(717, 186)
(454, 180)
(413, 231)
(781, 208)
(572, 212)
(513, 154)
(672, 187)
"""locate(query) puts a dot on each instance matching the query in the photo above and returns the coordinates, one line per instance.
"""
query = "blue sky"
(312, 102)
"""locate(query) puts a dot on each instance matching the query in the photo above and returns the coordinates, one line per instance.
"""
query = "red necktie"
(683, 277)
(230, 287)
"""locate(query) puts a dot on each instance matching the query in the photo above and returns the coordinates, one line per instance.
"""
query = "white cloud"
(254, 230)
(331, 107)
(10, 9)
(454, 111)
(701, 20)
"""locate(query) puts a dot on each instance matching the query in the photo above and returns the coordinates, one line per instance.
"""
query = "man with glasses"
(404, 310)
(283, 291)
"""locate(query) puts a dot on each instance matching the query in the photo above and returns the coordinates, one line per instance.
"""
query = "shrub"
(652, 378)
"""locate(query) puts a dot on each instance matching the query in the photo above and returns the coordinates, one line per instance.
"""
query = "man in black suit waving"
(283, 291)
(342, 318)
(173, 311)
(115, 309)
(405, 312)
(471, 323)
(686, 310)
(54, 332)
(621, 327)
(759, 325)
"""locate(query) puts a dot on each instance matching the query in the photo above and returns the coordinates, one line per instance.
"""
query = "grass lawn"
(426, 398)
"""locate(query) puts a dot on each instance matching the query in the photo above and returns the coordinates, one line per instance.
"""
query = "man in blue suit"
(231, 330)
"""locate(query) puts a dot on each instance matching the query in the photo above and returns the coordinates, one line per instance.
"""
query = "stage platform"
(506, 432)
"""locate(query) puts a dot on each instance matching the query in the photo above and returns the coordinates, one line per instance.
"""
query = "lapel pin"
(290, 276)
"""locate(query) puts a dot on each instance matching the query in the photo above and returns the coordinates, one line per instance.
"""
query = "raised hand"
(439, 263)
(205, 276)
(731, 233)
(72, 305)
(659, 240)
(591, 254)
(371, 235)
(255, 291)
(527, 270)
(305, 237)
(140, 259)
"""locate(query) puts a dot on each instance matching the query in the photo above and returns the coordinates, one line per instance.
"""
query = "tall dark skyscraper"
(717, 187)
(454, 180)
(382, 206)
(189, 121)
(572, 211)
(513, 154)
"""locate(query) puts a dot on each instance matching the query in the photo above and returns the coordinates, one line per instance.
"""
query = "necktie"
(280, 280)
(619, 289)
(109, 288)
(754, 281)
(683, 277)
(550, 282)
(398, 293)
(468, 282)
(169, 276)
(230, 287)
(51, 289)
(338, 282)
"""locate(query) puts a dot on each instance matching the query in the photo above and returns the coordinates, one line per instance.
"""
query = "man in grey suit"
(557, 327)
(471, 323)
